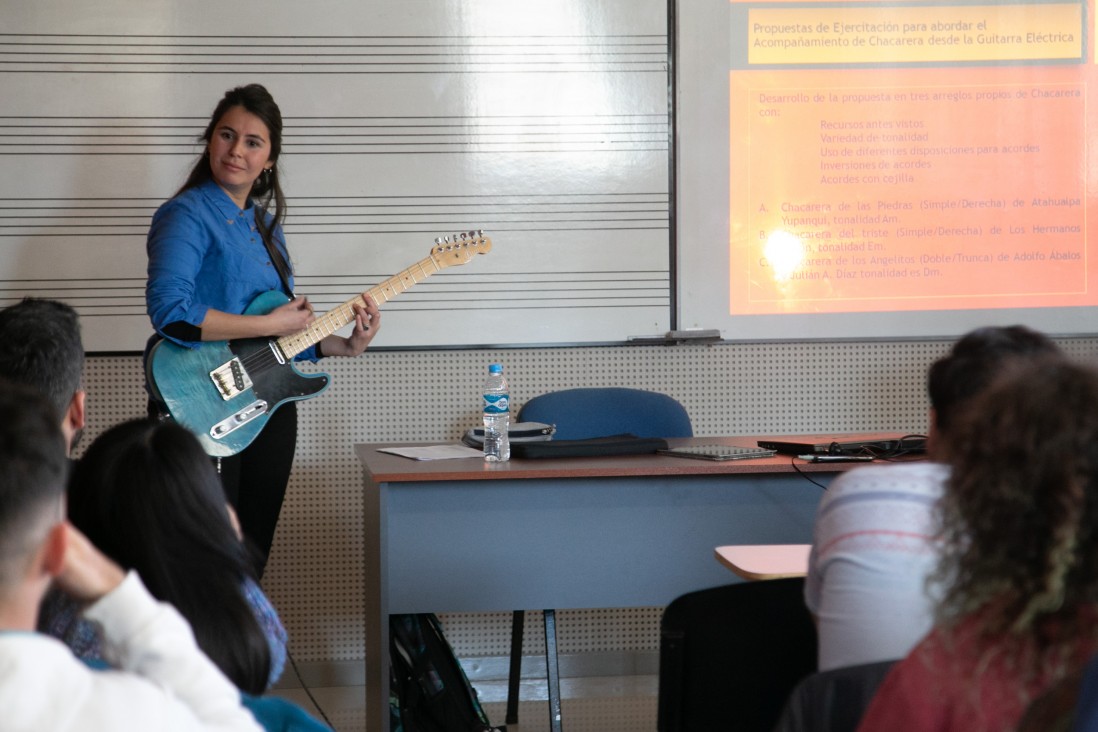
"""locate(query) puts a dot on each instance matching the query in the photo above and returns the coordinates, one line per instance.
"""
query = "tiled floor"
(605, 704)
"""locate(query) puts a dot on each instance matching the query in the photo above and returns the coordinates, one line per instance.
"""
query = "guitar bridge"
(238, 419)
(230, 379)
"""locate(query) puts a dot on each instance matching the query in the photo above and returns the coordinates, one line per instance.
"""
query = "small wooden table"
(765, 561)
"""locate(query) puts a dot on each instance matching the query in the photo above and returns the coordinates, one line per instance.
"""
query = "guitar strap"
(280, 264)
(282, 268)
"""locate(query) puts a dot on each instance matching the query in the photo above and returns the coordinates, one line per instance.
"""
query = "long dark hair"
(148, 496)
(267, 189)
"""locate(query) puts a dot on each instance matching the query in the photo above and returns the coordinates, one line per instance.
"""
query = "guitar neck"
(344, 314)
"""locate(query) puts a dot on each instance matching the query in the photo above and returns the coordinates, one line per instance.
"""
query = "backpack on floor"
(428, 689)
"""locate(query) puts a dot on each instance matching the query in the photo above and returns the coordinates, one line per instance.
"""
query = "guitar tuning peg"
(438, 240)
(463, 236)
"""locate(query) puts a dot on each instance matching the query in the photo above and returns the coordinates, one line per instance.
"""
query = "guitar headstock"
(459, 248)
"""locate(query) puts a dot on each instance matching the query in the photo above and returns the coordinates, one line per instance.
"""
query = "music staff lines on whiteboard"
(177, 54)
(548, 212)
(82, 217)
(105, 297)
(356, 215)
(622, 133)
(616, 133)
(524, 290)
(527, 290)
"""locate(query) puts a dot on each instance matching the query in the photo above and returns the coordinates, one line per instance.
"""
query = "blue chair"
(581, 414)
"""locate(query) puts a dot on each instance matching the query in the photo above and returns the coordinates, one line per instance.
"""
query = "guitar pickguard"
(224, 392)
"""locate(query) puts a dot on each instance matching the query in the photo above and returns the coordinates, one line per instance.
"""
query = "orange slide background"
(892, 180)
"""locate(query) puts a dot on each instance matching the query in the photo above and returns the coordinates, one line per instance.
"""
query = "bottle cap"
(495, 368)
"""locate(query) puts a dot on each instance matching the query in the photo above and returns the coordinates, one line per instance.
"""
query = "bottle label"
(495, 404)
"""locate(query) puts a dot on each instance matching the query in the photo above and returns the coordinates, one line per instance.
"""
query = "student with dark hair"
(43, 349)
(873, 546)
(213, 248)
(149, 497)
(1019, 559)
(162, 680)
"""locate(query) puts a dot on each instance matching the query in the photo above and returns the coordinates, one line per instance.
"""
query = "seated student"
(872, 548)
(149, 497)
(1019, 562)
(43, 349)
(163, 681)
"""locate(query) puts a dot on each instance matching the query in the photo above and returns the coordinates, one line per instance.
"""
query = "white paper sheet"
(434, 452)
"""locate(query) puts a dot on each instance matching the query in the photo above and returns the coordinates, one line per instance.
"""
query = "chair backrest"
(730, 655)
(833, 700)
(580, 414)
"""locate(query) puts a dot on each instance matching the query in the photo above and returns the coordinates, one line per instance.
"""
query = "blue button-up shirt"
(204, 252)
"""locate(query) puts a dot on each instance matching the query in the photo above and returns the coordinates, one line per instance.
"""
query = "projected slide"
(903, 157)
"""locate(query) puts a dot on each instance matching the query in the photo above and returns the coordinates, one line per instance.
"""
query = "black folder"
(592, 447)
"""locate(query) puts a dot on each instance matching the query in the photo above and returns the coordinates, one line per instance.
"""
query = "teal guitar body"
(225, 391)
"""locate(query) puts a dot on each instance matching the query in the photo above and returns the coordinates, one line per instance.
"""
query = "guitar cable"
(307, 690)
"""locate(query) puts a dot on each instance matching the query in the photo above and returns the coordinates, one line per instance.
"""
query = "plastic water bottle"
(497, 416)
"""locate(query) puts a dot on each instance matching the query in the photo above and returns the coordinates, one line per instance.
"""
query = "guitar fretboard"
(338, 317)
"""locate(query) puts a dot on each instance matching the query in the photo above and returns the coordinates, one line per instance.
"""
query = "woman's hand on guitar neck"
(367, 323)
(293, 317)
(287, 319)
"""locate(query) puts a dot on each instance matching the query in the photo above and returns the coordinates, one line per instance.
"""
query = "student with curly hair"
(1020, 559)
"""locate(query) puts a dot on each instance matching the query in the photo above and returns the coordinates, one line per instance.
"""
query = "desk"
(765, 561)
(628, 531)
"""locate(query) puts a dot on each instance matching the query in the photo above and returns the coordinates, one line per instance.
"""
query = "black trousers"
(255, 480)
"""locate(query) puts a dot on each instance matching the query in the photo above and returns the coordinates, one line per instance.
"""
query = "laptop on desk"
(876, 445)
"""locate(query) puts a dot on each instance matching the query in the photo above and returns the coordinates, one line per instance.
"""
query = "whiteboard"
(884, 170)
(548, 128)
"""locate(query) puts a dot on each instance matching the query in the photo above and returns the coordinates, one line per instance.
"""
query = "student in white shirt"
(159, 680)
(873, 543)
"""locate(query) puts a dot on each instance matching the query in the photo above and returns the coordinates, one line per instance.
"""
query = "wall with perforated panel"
(315, 575)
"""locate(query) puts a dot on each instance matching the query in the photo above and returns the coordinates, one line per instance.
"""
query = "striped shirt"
(872, 551)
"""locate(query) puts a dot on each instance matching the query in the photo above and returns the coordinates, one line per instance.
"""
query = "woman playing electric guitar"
(215, 247)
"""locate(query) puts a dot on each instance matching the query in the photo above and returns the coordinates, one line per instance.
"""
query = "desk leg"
(514, 675)
(553, 669)
(377, 609)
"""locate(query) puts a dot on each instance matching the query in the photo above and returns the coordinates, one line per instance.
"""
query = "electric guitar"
(225, 391)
